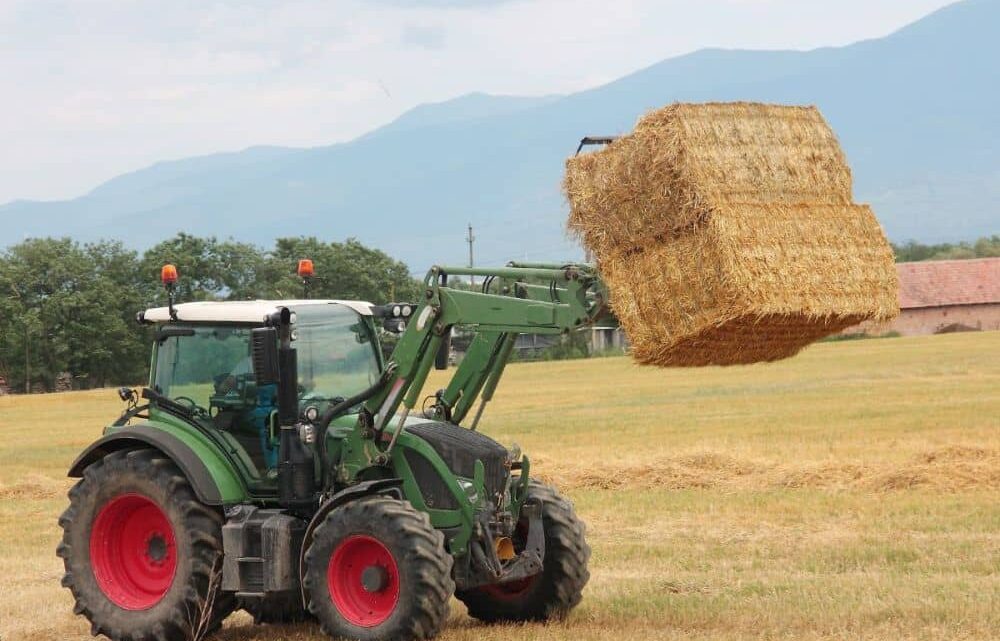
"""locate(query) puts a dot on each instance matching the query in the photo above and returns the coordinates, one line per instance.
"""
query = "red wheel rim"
(132, 552)
(363, 580)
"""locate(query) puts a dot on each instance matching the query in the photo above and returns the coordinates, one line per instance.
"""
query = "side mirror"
(264, 342)
(444, 352)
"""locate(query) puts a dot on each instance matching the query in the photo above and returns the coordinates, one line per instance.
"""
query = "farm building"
(946, 296)
(607, 338)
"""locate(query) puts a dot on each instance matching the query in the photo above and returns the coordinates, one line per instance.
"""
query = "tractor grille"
(460, 448)
(432, 487)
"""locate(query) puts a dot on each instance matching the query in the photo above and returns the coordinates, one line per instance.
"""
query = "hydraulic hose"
(341, 408)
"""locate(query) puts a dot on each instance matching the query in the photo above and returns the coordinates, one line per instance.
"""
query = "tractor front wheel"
(142, 554)
(554, 591)
(376, 569)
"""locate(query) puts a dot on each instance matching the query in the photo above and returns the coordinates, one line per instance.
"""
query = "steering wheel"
(187, 400)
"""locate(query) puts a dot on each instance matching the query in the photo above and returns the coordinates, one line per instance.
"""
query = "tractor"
(279, 462)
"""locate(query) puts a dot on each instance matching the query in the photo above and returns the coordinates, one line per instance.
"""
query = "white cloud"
(93, 88)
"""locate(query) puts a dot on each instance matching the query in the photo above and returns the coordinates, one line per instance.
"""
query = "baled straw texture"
(727, 234)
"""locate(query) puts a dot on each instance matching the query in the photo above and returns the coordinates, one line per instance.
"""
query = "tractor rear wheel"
(554, 591)
(143, 556)
(376, 569)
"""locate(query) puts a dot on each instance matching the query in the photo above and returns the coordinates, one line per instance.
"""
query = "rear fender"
(217, 484)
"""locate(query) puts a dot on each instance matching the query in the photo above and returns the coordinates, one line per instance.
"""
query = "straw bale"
(727, 234)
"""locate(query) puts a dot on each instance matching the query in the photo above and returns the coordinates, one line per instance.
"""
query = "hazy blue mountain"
(918, 113)
(473, 106)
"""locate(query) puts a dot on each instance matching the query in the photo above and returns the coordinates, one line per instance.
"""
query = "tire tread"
(565, 572)
(431, 568)
(204, 527)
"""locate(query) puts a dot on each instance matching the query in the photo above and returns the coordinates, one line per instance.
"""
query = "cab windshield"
(336, 353)
(202, 366)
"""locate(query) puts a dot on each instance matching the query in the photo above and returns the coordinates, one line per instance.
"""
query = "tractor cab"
(203, 363)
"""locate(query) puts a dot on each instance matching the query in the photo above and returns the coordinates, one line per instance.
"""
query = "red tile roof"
(936, 283)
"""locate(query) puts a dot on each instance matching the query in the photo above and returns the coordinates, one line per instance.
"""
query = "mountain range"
(917, 112)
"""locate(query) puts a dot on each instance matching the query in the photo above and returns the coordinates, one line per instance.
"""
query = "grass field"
(851, 492)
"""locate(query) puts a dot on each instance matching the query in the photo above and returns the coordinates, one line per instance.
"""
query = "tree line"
(985, 247)
(67, 310)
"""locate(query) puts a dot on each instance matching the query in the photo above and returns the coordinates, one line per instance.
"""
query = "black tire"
(284, 608)
(558, 588)
(419, 568)
(102, 498)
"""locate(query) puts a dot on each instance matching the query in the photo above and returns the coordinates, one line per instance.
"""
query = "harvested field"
(849, 493)
(946, 469)
(727, 234)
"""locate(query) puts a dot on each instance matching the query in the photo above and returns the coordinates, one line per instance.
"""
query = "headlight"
(470, 490)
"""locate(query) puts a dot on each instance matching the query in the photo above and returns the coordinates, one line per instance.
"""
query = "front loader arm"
(520, 298)
(479, 371)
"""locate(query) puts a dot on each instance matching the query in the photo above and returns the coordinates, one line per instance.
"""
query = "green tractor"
(280, 463)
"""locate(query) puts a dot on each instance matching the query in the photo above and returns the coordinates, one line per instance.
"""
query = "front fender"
(217, 484)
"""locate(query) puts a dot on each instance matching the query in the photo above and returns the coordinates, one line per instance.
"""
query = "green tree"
(985, 247)
(64, 311)
(122, 291)
(244, 270)
(211, 270)
(197, 262)
(348, 270)
(988, 247)
(71, 308)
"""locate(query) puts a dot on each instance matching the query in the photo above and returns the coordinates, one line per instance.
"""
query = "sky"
(96, 88)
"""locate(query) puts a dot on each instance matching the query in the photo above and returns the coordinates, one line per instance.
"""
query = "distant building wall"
(932, 320)
(603, 339)
(920, 321)
(531, 345)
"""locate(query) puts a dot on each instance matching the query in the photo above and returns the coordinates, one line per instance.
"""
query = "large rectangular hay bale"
(727, 234)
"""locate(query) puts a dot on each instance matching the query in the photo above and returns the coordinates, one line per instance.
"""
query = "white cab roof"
(242, 311)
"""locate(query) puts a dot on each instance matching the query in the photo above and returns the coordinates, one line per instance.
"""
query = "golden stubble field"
(851, 492)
